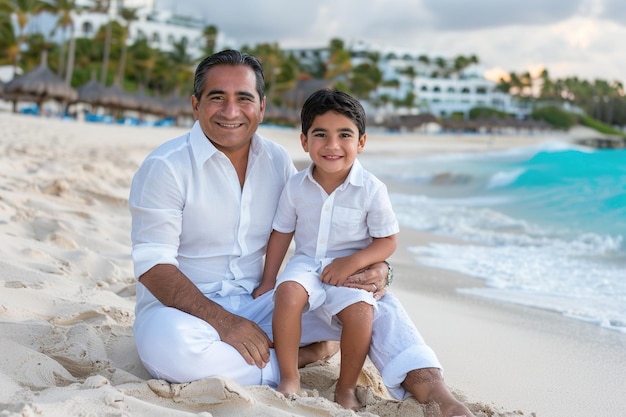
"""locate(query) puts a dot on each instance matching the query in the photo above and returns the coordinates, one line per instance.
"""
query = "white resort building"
(441, 93)
(161, 28)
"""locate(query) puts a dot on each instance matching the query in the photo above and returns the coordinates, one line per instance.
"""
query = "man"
(202, 207)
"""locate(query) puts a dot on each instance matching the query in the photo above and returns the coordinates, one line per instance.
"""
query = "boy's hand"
(337, 272)
(261, 289)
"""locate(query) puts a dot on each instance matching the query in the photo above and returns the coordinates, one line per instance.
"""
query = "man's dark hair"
(228, 57)
(326, 100)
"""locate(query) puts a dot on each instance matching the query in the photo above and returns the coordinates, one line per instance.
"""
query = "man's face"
(230, 109)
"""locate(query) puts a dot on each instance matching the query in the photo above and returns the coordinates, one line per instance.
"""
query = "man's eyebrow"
(238, 93)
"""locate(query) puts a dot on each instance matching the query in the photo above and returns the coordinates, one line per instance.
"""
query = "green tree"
(65, 22)
(23, 10)
(339, 65)
(9, 48)
(129, 15)
(210, 38)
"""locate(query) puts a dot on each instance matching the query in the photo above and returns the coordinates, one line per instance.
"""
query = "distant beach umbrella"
(39, 85)
(117, 99)
(176, 106)
(91, 93)
(148, 104)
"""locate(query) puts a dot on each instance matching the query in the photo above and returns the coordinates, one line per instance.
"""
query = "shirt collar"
(203, 149)
(355, 177)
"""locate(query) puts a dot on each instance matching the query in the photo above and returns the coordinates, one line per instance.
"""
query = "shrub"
(554, 116)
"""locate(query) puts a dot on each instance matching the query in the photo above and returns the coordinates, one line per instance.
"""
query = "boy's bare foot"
(288, 386)
(346, 397)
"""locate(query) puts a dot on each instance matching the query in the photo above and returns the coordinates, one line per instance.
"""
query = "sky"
(582, 38)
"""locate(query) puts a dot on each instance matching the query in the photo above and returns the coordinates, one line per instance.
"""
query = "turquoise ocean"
(546, 224)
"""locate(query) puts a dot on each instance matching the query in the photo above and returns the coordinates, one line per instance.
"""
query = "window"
(87, 28)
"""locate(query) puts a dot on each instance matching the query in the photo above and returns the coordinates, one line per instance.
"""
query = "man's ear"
(194, 106)
(361, 144)
(304, 142)
(263, 103)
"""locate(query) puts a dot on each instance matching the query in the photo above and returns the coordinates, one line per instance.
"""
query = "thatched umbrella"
(117, 99)
(39, 85)
(90, 93)
(148, 104)
(176, 106)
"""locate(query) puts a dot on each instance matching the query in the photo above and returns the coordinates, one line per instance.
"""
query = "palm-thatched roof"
(38, 85)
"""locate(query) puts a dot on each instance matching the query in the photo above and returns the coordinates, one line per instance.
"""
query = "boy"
(342, 221)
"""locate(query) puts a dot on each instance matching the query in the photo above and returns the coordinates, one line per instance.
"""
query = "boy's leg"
(289, 302)
(356, 336)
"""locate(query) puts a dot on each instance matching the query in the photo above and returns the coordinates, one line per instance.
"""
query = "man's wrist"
(389, 274)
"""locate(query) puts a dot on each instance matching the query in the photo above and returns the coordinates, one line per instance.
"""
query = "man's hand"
(245, 336)
(373, 279)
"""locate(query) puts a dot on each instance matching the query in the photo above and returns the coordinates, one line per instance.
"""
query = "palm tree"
(23, 10)
(129, 15)
(210, 37)
(65, 8)
(9, 49)
(106, 6)
(339, 64)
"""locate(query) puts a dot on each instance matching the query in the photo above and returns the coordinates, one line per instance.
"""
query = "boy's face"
(333, 143)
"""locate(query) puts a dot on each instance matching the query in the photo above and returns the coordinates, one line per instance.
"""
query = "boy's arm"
(276, 249)
(337, 272)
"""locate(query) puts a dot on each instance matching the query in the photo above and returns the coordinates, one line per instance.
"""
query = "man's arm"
(170, 286)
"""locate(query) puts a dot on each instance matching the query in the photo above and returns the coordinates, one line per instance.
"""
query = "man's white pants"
(178, 347)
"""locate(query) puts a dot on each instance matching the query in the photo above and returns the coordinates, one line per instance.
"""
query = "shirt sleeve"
(381, 219)
(285, 217)
(156, 204)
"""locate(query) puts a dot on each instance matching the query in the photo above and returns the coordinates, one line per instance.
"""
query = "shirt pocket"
(349, 223)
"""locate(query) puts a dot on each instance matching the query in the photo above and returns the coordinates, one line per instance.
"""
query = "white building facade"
(160, 28)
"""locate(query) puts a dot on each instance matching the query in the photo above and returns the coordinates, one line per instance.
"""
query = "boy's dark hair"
(228, 57)
(325, 100)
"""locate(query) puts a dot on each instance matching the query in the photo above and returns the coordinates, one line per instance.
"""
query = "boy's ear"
(304, 142)
(361, 144)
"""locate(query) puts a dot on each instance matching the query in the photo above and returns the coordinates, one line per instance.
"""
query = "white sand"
(67, 301)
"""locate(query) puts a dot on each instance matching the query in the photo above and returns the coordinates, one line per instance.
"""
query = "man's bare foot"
(316, 352)
(288, 386)
(346, 397)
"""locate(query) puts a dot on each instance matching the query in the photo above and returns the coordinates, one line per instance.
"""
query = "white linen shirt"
(335, 225)
(189, 210)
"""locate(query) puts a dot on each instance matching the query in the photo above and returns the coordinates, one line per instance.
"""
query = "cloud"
(569, 37)
(459, 15)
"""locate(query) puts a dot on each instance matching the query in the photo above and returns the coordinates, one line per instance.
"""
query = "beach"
(67, 299)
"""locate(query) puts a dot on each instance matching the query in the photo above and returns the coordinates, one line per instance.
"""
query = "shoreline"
(518, 357)
(67, 299)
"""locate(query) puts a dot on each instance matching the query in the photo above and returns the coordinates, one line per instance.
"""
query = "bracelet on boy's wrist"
(389, 274)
